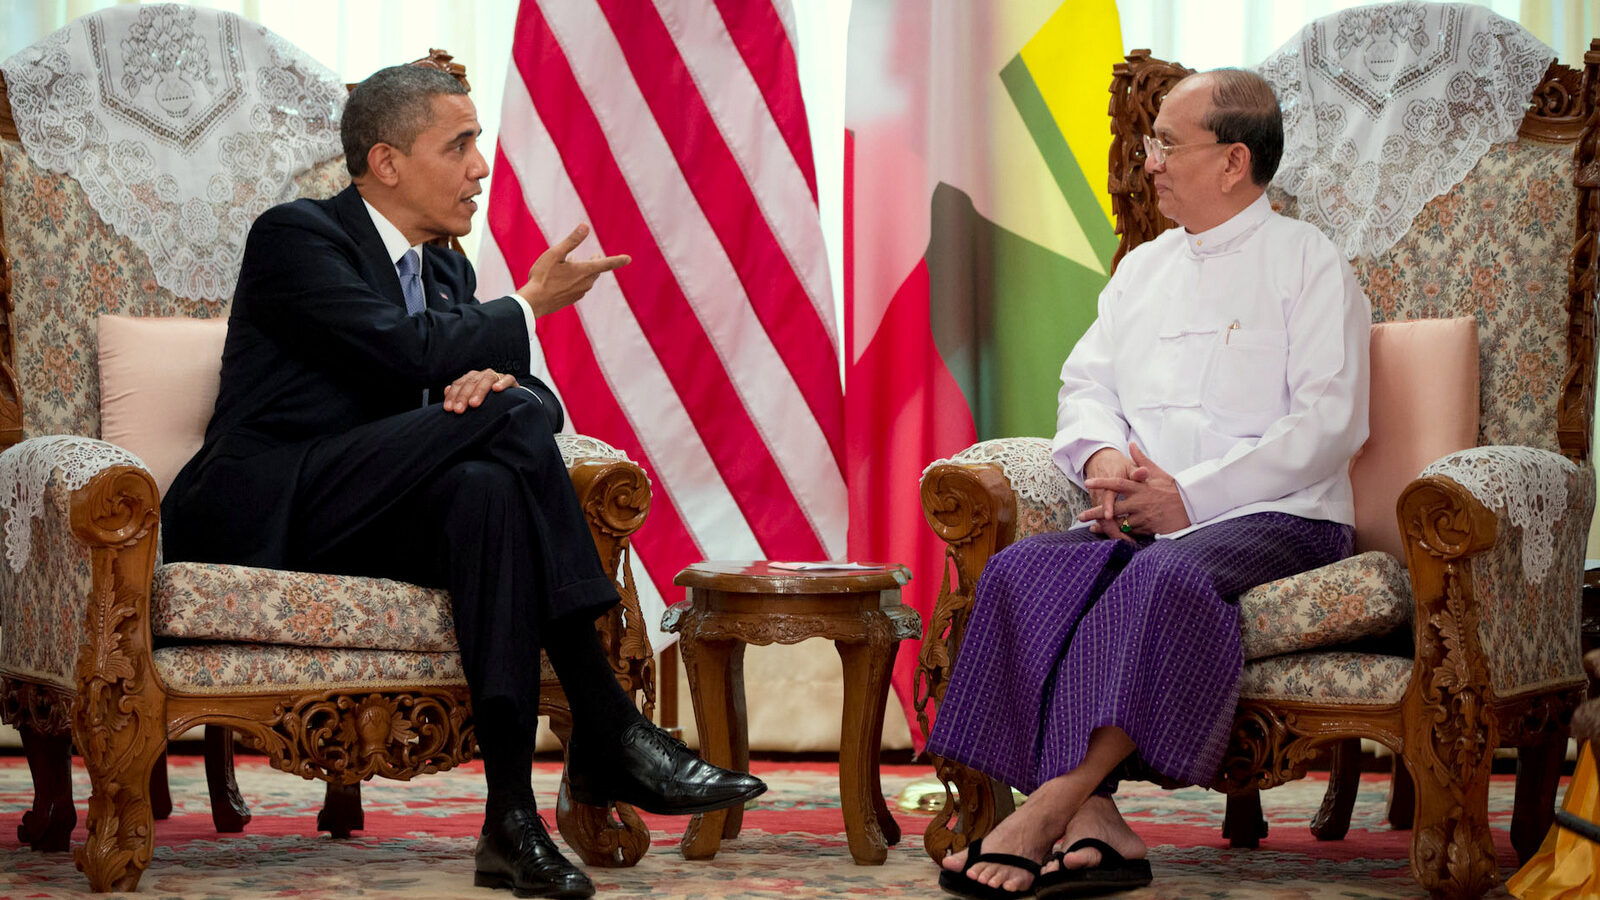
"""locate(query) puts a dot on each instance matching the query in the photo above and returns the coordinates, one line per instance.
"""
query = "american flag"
(676, 128)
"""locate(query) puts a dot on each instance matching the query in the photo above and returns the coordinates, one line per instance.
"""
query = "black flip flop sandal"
(1113, 873)
(962, 885)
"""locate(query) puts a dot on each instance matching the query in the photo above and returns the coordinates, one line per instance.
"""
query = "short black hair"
(392, 107)
(1244, 110)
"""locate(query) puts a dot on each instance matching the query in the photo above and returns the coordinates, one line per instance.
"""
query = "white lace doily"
(1528, 485)
(1387, 106)
(25, 470)
(181, 123)
(1027, 464)
(581, 446)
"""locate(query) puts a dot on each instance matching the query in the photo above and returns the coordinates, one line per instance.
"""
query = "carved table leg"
(886, 822)
(229, 812)
(1243, 825)
(48, 826)
(866, 668)
(341, 810)
(712, 687)
(738, 734)
(1538, 771)
(1402, 797)
(1332, 820)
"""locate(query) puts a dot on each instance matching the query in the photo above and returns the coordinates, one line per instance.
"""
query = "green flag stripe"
(1058, 157)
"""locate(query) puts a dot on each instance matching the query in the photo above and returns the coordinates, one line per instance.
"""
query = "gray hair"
(1244, 110)
(392, 107)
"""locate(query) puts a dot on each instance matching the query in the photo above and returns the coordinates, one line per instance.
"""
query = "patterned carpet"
(419, 839)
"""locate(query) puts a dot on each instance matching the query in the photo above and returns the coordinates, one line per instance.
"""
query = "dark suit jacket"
(318, 342)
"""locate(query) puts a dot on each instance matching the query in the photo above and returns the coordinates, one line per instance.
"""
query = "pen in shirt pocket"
(1228, 335)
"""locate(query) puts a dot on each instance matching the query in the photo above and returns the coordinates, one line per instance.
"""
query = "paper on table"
(817, 566)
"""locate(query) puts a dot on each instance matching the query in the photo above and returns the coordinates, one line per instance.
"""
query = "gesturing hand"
(470, 389)
(556, 282)
(1150, 502)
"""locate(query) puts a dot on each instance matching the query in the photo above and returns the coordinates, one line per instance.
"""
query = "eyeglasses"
(1156, 150)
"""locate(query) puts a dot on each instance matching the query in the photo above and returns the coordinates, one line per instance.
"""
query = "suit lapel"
(379, 269)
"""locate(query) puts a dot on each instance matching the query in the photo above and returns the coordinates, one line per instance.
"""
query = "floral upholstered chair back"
(129, 194)
(96, 221)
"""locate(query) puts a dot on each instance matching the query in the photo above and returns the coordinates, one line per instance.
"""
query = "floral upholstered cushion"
(232, 668)
(1337, 677)
(209, 602)
(1361, 596)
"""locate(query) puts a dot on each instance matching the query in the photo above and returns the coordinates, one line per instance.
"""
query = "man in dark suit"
(375, 419)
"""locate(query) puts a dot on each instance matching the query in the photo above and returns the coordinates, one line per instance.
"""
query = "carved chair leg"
(1452, 851)
(1538, 771)
(602, 836)
(1402, 797)
(229, 812)
(341, 810)
(1243, 825)
(977, 805)
(160, 791)
(1332, 821)
(121, 829)
(48, 826)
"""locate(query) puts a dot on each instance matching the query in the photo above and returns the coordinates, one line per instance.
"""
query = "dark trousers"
(478, 503)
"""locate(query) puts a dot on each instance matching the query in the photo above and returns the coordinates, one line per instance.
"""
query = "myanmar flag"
(978, 235)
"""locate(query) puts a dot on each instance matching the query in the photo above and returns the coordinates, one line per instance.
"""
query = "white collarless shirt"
(1237, 359)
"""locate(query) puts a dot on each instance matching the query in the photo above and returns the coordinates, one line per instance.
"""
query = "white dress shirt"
(1236, 359)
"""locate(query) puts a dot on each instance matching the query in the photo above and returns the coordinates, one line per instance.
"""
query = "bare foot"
(1029, 833)
(1099, 818)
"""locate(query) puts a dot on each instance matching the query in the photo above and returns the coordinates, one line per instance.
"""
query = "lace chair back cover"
(181, 124)
(1497, 247)
(68, 267)
(1387, 106)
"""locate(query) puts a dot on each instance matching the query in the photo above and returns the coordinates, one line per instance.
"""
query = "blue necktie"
(411, 282)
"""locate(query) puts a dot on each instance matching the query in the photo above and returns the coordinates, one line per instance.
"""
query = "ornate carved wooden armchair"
(107, 648)
(1493, 655)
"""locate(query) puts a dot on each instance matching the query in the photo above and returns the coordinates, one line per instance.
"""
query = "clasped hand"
(1132, 491)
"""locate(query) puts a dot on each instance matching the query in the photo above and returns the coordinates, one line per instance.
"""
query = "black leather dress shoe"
(652, 771)
(517, 853)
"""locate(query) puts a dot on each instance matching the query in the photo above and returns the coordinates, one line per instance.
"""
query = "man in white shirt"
(1211, 412)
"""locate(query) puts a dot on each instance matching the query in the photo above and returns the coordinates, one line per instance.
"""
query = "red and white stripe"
(677, 130)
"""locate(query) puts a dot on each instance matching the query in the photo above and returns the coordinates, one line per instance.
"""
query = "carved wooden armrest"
(614, 495)
(972, 508)
(1495, 540)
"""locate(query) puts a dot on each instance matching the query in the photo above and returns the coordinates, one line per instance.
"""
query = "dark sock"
(506, 748)
(601, 709)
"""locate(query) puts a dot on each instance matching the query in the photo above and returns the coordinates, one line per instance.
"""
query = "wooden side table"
(734, 604)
